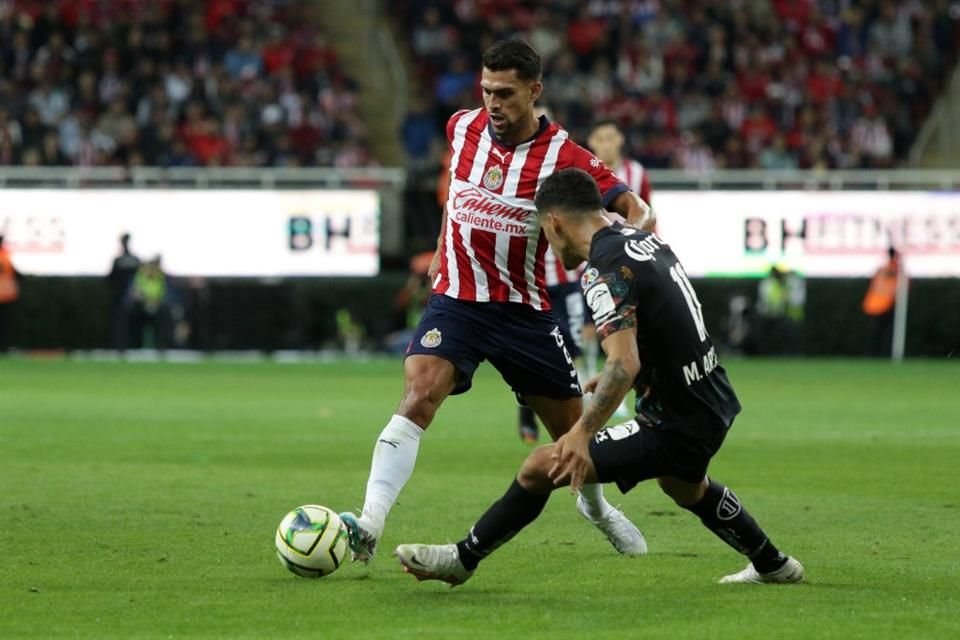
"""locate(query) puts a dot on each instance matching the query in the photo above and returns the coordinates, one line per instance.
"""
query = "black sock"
(503, 520)
(720, 511)
(527, 417)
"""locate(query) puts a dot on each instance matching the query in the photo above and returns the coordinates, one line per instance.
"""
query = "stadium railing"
(395, 178)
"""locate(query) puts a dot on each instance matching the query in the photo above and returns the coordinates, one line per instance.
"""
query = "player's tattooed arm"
(619, 372)
(615, 381)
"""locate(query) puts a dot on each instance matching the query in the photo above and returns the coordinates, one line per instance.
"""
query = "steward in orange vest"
(882, 294)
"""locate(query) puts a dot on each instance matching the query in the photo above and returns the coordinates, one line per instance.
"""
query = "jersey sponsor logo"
(643, 250)
(729, 506)
(476, 201)
(601, 303)
(480, 210)
(432, 339)
(493, 178)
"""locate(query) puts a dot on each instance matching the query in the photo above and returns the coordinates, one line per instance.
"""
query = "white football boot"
(791, 571)
(622, 534)
(362, 538)
(433, 562)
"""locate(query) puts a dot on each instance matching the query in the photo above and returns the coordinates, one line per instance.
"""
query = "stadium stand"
(773, 84)
(173, 83)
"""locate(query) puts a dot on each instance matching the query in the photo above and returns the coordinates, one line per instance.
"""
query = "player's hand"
(591, 385)
(571, 456)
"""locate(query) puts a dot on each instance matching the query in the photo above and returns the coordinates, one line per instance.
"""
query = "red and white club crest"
(493, 178)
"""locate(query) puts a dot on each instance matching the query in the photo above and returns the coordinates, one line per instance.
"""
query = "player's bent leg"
(720, 510)
(429, 380)
(519, 506)
(558, 416)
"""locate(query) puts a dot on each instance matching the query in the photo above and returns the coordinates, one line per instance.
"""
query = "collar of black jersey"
(544, 123)
(614, 227)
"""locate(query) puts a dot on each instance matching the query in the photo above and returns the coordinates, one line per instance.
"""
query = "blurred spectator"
(870, 140)
(880, 304)
(174, 83)
(418, 133)
(848, 84)
(119, 279)
(9, 294)
(781, 297)
(776, 156)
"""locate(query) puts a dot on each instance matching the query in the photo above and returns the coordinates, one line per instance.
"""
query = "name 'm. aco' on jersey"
(493, 249)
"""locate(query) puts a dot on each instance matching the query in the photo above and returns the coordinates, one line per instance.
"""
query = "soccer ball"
(311, 541)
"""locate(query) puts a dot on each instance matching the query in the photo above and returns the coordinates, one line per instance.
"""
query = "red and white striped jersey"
(635, 177)
(493, 249)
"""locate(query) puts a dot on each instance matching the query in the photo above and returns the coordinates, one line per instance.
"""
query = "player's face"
(606, 142)
(509, 101)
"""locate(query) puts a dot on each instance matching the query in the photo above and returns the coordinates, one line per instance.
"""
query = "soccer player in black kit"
(651, 327)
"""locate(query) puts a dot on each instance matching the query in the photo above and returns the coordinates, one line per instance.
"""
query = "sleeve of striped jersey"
(610, 185)
(645, 191)
(452, 122)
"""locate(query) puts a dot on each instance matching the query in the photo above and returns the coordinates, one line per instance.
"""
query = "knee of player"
(534, 474)
(422, 395)
(685, 494)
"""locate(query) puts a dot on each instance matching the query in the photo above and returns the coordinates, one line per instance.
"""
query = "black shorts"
(569, 309)
(639, 450)
(523, 344)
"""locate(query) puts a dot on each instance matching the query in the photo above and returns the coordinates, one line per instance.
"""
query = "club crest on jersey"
(431, 339)
(493, 178)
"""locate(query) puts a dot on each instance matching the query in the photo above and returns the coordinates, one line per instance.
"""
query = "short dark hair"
(514, 54)
(571, 191)
(604, 122)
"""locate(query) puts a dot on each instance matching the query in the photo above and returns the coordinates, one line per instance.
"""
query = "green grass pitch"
(140, 500)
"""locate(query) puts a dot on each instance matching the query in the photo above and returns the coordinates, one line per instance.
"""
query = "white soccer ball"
(311, 541)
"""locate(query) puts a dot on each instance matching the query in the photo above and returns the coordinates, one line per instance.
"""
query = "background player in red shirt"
(489, 293)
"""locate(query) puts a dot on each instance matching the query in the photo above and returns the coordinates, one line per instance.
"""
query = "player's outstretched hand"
(571, 456)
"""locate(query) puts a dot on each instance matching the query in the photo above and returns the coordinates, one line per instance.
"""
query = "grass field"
(140, 500)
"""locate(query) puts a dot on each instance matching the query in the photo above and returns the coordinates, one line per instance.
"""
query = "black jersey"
(633, 279)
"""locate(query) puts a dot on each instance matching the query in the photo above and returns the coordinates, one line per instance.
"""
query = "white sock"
(394, 456)
(597, 506)
(591, 354)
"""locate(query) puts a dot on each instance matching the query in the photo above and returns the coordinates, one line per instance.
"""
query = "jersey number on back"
(676, 272)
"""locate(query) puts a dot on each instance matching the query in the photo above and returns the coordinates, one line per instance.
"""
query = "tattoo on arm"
(614, 383)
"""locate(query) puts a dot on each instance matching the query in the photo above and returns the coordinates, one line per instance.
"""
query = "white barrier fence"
(291, 222)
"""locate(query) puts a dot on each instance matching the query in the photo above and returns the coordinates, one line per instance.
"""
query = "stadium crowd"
(173, 83)
(773, 84)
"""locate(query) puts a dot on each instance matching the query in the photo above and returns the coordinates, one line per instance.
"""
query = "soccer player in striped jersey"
(489, 297)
